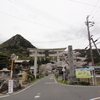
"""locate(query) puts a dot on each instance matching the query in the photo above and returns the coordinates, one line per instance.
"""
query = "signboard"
(90, 64)
(10, 86)
(91, 68)
(63, 69)
(13, 57)
(83, 73)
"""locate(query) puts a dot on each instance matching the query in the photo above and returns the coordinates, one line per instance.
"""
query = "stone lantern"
(4, 73)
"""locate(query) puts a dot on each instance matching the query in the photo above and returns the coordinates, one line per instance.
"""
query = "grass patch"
(37, 79)
(72, 82)
(60, 81)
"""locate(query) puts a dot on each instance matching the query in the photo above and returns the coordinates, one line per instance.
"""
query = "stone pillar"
(71, 65)
(35, 64)
(58, 56)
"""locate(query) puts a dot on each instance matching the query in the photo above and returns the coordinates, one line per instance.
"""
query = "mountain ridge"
(16, 44)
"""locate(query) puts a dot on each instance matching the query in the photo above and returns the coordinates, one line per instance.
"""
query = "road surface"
(48, 89)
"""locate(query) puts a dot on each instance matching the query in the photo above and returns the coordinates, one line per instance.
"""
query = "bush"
(41, 76)
(31, 77)
(79, 83)
(56, 76)
(46, 74)
(37, 76)
(84, 83)
(72, 83)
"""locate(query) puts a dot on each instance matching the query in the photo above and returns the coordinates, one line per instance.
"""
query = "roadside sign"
(63, 69)
(13, 57)
(91, 68)
(83, 73)
(10, 86)
(90, 64)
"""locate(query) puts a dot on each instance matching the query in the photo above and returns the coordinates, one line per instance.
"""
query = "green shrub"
(72, 83)
(31, 77)
(56, 76)
(46, 74)
(84, 83)
(41, 76)
(37, 76)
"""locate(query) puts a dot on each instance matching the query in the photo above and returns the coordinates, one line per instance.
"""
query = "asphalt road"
(48, 89)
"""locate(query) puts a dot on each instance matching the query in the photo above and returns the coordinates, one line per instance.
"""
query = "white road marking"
(77, 85)
(51, 78)
(55, 80)
(38, 95)
(26, 88)
(50, 83)
(98, 98)
(4, 96)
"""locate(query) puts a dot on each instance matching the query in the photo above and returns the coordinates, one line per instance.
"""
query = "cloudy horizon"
(50, 23)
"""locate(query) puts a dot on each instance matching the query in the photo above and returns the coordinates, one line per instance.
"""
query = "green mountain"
(18, 45)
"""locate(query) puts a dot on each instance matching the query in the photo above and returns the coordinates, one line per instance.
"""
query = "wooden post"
(11, 73)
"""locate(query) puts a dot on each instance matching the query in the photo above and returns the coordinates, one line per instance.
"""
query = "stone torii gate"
(35, 52)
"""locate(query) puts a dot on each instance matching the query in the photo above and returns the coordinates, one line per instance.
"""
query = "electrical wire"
(59, 40)
(84, 3)
(94, 41)
(89, 14)
(46, 15)
(30, 21)
(40, 12)
(41, 25)
(95, 29)
(94, 7)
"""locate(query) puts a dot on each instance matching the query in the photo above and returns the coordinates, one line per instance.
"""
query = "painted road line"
(98, 98)
(55, 80)
(38, 95)
(4, 96)
(26, 88)
(51, 78)
(50, 83)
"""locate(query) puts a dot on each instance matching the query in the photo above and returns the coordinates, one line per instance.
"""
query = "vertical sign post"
(90, 64)
(35, 64)
(10, 82)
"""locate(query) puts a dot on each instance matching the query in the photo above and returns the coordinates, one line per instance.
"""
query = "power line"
(90, 12)
(94, 41)
(94, 7)
(58, 40)
(93, 10)
(42, 13)
(29, 21)
(84, 3)
(38, 24)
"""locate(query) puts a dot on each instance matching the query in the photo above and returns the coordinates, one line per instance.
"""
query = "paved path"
(49, 89)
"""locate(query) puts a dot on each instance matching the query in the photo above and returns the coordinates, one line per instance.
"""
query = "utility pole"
(95, 46)
(88, 24)
(89, 37)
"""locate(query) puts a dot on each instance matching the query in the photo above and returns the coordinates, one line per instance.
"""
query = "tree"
(45, 68)
(4, 61)
(25, 64)
(78, 61)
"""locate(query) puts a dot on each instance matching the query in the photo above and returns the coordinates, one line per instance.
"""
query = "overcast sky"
(50, 23)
